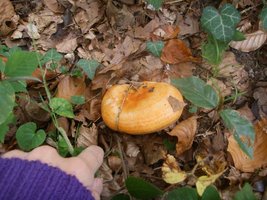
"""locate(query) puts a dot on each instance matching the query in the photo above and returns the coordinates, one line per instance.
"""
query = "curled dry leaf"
(175, 51)
(185, 132)
(132, 149)
(252, 42)
(54, 6)
(241, 160)
(171, 172)
(70, 86)
(87, 136)
(114, 162)
(8, 17)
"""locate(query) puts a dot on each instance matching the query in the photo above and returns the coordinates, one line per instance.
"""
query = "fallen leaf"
(175, 51)
(171, 172)
(8, 17)
(68, 44)
(252, 42)
(132, 150)
(70, 86)
(185, 132)
(166, 32)
(54, 6)
(114, 162)
(87, 136)
(260, 96)
(241, 160)
(204, 181)
(188, 23)
(181, 70)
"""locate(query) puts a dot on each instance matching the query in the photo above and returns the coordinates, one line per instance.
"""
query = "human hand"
(83, 167)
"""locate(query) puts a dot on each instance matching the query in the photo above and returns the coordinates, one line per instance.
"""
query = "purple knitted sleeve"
(21, 180)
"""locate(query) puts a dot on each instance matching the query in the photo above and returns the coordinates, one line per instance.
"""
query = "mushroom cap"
(147, 108)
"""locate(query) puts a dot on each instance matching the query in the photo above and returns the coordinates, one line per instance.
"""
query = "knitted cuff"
(22, 179)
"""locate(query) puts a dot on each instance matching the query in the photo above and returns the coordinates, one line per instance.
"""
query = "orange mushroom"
(142, 109)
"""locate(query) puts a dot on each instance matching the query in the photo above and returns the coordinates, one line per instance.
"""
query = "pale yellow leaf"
(204, 181)
(252, 42)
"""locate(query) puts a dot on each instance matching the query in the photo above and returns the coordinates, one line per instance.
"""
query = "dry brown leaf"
(185, 132)
(8, 17)
(260, 96)
(68, 44)
(171, 172)
(175, 51)
(36, 112)
(246, 112)
(252, 42)
(181, 70)
(241, 160)
(132, 150)
(70, 86)
(166, 32)
(54, 6)
(188, 23)
(87, 136)
(114, 162)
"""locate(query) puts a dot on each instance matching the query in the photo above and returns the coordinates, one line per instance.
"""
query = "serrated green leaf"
(61, 107)
(4, 127)
(155, 3)
(155, 47)
(245, 193)
(211, 193)
(221, 24)
(238, 36)
(182, 194)
(197, 92)
(21, 63)
(263, 18)
(19, 86)
(51, 55)
(7, 100)
(241, 128)
(89, 67)
(142, 189)
(213, 50)
(121, 197)
(28, 138)
(78, 100)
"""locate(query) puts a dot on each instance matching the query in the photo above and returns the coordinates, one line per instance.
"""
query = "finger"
(93, 157)
(15, 154)
(97, 188)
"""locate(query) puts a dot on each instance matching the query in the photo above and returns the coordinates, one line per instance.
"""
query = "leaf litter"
(114, 33)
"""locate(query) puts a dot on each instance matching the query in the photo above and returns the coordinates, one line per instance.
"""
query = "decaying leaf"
(8, 17)
(132, 150)
(114, 162)
(171, 172)
(242, 161)
(70, 86)
(175, 51)
(204, 181)
(54, 6)
(252, 42)
(260, 96)
(185, 132)
(87, 136)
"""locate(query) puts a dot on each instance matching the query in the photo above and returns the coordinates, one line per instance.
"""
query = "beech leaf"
(197, 92)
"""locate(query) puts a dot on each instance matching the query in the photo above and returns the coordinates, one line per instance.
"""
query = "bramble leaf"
(155, 47)
(61, 107)
(141, 189)
(197, 92)
(89, 67)
(7, 100)
(221, 24)
(21, 63)
(241, 128)
(28, 138)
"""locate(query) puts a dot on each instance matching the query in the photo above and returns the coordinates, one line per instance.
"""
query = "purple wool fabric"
(33, 180)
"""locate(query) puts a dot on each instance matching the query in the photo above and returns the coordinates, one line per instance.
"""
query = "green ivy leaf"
(238, 36)
(197, 91)
(4, 127)
(155, 47)
(21, 63)
(28, 138)
(155, 3)
(78, 100)
(210, 193)
(242, 129)
(263, 18)
(182, 193)
(142, 189)
(61, 107)
(121, 197)
(221, 24)
(213, 50)
(89, 67)
(245, 193)
(7, 100)
(51, 55)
